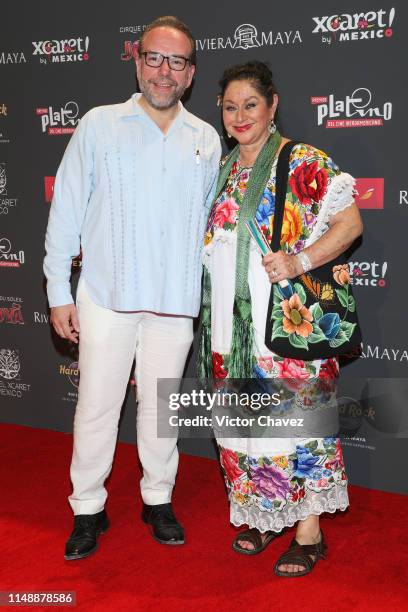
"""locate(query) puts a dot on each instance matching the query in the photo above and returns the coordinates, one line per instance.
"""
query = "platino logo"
(7, 258)
(356, 110)
(61, 121)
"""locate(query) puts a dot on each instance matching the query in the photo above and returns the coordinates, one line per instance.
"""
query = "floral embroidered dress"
(274, 482)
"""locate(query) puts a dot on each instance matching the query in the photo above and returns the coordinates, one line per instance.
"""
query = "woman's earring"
(272, 127)
(229, 135)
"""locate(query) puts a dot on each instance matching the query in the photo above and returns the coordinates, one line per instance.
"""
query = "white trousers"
(109, 341)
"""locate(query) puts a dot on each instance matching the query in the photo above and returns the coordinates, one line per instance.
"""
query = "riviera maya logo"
(9, 364)
(247, 36)
(347, 27)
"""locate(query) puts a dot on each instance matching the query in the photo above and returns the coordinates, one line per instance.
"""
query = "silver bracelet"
(304, 261)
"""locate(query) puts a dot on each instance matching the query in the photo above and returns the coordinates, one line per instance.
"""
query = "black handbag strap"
(282, 173)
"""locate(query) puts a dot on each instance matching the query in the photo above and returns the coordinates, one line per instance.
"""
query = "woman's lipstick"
(243, 128)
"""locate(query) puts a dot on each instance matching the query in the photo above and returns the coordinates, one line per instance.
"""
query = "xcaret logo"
(9, 364)
(368, 273)
(66, 50)
(370, 193)
(3, 180)
(6, 202)
(11, 386)
(358, 26)
(8, 258)
(61, 121)
(356, 110)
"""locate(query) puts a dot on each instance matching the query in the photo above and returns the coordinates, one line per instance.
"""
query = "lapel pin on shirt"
(197, 156)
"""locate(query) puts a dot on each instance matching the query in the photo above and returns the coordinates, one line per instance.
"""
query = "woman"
(273, 483)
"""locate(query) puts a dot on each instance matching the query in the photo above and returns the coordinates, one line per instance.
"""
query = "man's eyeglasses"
(174, 62)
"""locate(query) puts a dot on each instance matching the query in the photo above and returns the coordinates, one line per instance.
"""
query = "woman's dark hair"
(169, 21)
(258, 73)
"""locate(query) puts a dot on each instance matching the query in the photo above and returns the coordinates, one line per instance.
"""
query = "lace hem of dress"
(338, 197)
(313, 504)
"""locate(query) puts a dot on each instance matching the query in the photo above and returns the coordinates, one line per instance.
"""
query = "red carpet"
(366, 568)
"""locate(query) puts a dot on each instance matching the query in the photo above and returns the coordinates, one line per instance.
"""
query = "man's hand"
(65, 322)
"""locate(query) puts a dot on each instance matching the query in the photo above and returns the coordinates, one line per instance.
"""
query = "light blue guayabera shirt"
(136, 200)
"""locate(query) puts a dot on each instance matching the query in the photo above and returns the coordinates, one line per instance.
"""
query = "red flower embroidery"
(218, 366)
(229, 461)
(308, 182)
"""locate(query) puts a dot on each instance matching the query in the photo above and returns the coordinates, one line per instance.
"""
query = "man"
(132, 191)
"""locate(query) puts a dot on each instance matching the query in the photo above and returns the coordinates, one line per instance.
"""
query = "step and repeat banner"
(343, 88)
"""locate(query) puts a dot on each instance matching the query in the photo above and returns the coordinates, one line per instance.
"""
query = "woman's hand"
(280, 266)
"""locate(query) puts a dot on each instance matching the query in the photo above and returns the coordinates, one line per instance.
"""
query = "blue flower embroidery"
(266, 208)
(330, 324)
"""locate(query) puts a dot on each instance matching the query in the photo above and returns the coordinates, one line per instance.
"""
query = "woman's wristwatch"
(304, 261)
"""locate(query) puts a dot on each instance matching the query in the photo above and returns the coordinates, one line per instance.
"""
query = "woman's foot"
(307, 533)
(252, 541)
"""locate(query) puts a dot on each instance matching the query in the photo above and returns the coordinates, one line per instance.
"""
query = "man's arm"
(72, 190)
(215, 162)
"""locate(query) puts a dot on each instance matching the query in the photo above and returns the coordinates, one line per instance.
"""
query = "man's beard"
(161, 103)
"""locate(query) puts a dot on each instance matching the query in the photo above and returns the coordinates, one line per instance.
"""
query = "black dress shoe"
(165, 527)
(83, 540)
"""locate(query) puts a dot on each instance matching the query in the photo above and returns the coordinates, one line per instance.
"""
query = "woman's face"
(246, 114)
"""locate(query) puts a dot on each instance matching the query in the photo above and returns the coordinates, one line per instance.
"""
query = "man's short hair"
(169, 21)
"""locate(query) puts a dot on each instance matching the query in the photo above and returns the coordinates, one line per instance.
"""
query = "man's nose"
(164, 69)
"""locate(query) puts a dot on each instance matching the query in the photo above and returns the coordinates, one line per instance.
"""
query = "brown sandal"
(254, 537)
(301, 554)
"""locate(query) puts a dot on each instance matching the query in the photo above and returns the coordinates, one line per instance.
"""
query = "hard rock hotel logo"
(356, 110)
(347, 27)
(55, 122)
(58, 51)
